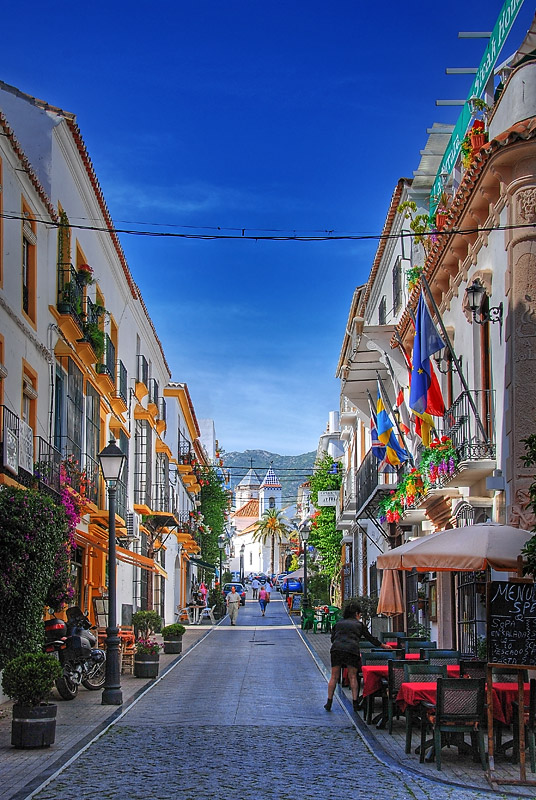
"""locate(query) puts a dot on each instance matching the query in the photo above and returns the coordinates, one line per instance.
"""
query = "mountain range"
(291, 470)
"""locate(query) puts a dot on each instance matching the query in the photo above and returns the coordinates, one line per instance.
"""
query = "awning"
(136, 559)
(204, 564)
(360, 375)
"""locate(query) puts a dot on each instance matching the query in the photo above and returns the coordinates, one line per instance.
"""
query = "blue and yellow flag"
(377, 447)
(427, 342)
(394, 453)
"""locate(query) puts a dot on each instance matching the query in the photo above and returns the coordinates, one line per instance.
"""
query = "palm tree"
(271, 526)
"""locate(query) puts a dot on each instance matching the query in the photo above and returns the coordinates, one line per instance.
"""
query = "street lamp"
(242, 548)
(305, 530)
(111, 460)
(221, 544)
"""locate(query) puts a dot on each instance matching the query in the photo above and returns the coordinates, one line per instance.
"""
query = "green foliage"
(318, 585)
(147, 622)
(214, 507)
(420, 223)
(529, 550)
(325, 537)
(368, 603)
(32, 529)
(227, 576)
(95, 336)
(28, 678)
(173, 631)
(413, 276)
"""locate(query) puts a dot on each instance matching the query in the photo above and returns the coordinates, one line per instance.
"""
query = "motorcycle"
(73, 644)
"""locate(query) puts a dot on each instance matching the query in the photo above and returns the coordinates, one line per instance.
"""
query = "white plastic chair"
(208, 613)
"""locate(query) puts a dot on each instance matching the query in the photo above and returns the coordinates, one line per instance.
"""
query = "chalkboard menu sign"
(512, 623)
(296, 604)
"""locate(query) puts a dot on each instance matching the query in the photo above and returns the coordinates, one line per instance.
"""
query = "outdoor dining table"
(373, 674)
(503, 696)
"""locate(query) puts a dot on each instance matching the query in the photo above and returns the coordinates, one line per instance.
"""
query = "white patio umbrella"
(471, 548)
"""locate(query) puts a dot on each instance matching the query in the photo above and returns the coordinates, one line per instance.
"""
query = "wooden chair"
(376, 658)
(128, 648)
(459, 710)
(395, 678)
(529, 713)
(473, 669)
(420, 673)
(440, 656)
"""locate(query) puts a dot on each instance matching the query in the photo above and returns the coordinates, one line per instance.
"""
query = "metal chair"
(419, 673)
(207, 613)
(436, 656)
(459, 710)
(395, 678)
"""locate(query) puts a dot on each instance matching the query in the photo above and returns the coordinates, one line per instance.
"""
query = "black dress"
(345, 638)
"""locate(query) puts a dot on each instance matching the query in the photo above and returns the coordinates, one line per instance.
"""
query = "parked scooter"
(73, 643)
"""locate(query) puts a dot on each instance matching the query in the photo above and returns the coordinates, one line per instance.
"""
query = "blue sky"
(290, 116)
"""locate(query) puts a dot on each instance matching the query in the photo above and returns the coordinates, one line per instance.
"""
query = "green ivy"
(32, 529)
(214, 507)
(324, 535)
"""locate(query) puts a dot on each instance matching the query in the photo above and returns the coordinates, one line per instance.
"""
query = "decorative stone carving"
(520, 516)
(526, 205)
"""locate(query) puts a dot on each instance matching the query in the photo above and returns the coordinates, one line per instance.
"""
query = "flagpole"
(410, 457)
(393, 379)
(455, 360)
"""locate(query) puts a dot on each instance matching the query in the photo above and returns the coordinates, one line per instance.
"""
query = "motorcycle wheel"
(95, 677)
(67, 688)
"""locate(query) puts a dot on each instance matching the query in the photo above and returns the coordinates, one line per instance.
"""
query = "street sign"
(328, 498)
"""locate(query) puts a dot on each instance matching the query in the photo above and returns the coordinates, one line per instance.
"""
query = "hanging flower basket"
(477, 135)
(438, 461)
(85, 274)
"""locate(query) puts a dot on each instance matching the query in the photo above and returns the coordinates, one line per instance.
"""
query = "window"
(382, 313)
(29, 398)
(74, 414)
(271, 502)
(397, 286)
(29, 241)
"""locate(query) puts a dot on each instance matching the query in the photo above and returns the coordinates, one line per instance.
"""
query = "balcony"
(142, 377)
(348, 502)
(106, 367)
(152, 400)
(371, 485)
(70, 303)
(161, 424)
(476, 455)
(120, 398)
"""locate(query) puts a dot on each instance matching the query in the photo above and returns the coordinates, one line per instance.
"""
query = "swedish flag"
(394, 453)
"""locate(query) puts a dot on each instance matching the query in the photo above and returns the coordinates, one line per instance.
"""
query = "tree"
(325, 537)
(271, 526)
(214, 507)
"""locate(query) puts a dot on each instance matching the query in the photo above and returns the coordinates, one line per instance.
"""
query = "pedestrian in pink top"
(263, 599)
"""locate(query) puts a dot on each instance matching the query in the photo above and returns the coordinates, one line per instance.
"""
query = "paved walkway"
(241, 715)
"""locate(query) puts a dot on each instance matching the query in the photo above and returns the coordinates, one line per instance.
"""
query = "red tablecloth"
(503, 695)
(372, 676)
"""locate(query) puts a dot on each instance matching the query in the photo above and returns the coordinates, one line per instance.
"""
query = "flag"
(377, 447)
(405, 424)
(427, 342)
(394, 453)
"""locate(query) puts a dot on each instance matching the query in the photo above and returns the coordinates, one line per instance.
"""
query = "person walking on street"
(233, 601)
(263, 599)
(268, 587)
(345, 651)
(255, 585)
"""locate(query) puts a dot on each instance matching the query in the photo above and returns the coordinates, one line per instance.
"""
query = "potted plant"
(477, 135)
(172, 635)
(84, 275)
(147, 658)
(146, 623)
(28, 679)
(216, 598)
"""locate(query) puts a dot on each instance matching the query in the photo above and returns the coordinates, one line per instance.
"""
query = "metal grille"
(471, 621)
(70, 293)
(142, 375)
(459, 425)
(412, 601)
(142, 464)
(121, 382)
(74, 412)
(397, 285)
(382, 312)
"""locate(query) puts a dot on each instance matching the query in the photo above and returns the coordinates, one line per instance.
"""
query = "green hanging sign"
(501, 30)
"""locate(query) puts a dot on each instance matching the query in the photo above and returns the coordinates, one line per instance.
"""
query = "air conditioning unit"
(133, 526)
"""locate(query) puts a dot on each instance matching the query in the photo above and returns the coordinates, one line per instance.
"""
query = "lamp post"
(111, 460)
(305, 530)
(242, 549)
(221, 545)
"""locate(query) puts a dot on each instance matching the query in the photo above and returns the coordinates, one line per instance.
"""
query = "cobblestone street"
(240, 717)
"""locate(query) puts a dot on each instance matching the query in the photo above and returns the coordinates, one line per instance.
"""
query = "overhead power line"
(282, 237)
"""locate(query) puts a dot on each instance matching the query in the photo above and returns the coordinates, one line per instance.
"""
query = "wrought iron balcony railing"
(70, 293)
(460, 426)
(142, 374)
(121, 390)
(153, 391)
(107, 364)
(369, 480)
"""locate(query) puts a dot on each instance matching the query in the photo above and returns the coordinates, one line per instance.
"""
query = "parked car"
(293, 585)
(239, 590)
(279, 580)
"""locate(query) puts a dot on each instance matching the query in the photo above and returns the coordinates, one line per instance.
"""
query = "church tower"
(270, 492)
(247, 489)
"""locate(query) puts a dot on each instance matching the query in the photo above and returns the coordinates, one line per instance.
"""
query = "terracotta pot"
(478, 140)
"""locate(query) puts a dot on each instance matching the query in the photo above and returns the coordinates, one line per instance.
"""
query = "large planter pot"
(33, 726)
(173, 646)
(478, 140)
(146, 665)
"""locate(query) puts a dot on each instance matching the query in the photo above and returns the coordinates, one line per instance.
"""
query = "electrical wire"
(282, 238)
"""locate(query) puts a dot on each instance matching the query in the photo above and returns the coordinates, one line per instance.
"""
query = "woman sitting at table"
(345, 652)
